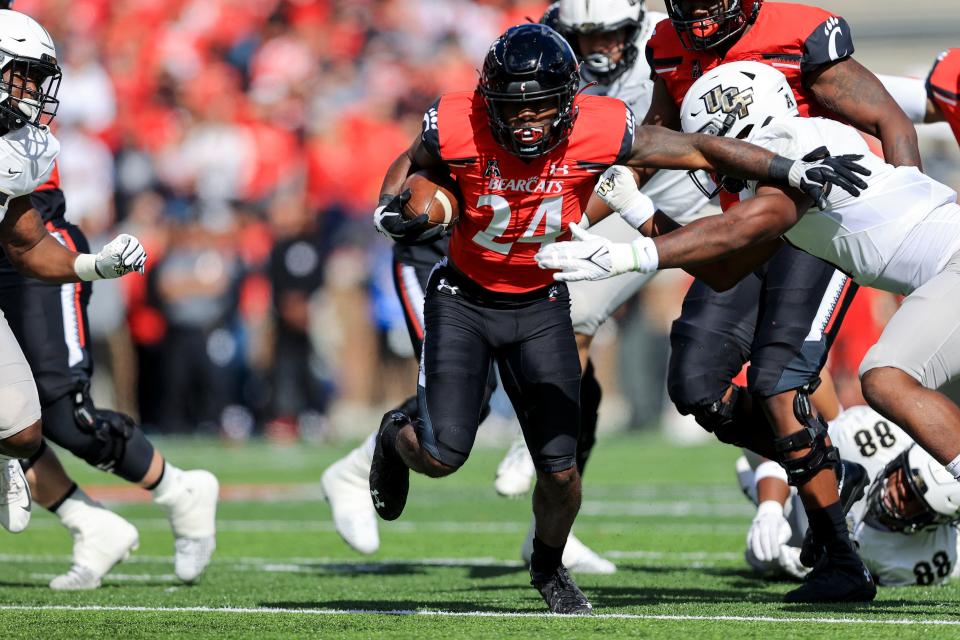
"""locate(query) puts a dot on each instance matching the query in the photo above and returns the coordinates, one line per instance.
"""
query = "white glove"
(618, 190)
(789, 561)
(119, 257)
(768, 531)
(593, 257)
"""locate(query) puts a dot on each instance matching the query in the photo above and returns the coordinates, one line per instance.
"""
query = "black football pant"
(50, 323)
(782, 319)
(529, 336)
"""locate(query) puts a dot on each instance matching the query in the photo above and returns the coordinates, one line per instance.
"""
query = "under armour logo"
(446, 287)
(563, 169)
(377, 502)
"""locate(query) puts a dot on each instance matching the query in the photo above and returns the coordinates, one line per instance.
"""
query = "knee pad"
(114, 441)
(813, 435)
(717, 417)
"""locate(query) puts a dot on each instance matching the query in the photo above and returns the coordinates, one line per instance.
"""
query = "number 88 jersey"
(511, 206)
(926, 557)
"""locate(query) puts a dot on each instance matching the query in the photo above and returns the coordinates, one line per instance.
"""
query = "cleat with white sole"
(101, 540)
(15, 499)
(577, 557)
(346, 486)
(515, 473)
(192, 510)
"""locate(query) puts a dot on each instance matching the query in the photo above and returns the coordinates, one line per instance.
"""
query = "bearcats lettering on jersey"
(943, 87)
(512, 207)
(794, 38)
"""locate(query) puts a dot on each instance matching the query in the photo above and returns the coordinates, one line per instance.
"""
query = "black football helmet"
(530, 63)
(726, 19)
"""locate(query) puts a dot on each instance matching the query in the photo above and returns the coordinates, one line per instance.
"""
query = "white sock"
(74, 507)
(954, 468)
(169, 483)
(369, 445)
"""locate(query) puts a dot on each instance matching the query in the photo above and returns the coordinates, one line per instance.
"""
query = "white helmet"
(736, 100)
(935, 487)
(27, 52)
(586, 17)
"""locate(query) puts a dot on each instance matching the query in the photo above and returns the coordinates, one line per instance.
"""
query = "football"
(435, 195)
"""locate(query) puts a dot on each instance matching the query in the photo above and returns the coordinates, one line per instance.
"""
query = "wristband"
(385, 199)
(646, 259)
(640, 209)
(86, 267)
(779, 170)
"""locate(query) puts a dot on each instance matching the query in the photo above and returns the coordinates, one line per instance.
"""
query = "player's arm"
(751, 229)
(851, 91)
(37, 254)
(423, 153)
(664, 149)
(758, 220)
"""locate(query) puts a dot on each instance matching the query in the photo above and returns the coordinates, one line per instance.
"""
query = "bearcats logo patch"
(730, 100)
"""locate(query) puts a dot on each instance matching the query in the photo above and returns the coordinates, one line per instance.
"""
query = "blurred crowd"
(244, 141)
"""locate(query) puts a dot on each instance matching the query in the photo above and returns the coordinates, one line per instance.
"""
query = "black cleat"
(389, 476)
(561, 593)
(847, 581)
(852, 480)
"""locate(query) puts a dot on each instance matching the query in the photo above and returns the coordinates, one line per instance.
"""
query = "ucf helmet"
(928, 481)
(726, 19)
(530, 63)
(736, 100)
(587, 17)
(29, 73)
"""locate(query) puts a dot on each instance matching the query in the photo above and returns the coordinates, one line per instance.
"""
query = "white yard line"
(479, 614)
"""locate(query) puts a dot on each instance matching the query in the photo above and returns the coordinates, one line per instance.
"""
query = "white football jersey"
(672, 191)
(27, 156)
(895, 559)
(900, 231)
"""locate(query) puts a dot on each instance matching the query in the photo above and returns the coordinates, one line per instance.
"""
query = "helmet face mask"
(530, 71)
(583, 21)
(704, 24)
(900, 497)
(29, 88)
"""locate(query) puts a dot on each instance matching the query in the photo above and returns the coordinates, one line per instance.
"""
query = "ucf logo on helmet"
(731, 100)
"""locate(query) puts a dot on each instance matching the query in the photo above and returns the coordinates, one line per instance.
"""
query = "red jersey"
(943, 87)
(795, 39)
(512, 207)
(53, 182)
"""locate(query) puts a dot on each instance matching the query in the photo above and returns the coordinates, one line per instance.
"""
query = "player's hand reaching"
(817, 172)
(122, 255)
(593, 257)
(388, 219)
(768, 531)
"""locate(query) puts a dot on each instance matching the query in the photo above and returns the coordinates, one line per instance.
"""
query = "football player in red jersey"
(937, 99)
(783, 317)
(525, 149)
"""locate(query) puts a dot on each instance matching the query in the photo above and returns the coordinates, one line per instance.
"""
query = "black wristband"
(385, 199)
(780, 169)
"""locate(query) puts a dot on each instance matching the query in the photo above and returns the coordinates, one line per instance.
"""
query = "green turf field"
(673, 520)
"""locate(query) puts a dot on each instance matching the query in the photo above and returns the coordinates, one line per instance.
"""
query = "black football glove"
(817, 172)
(388, 219)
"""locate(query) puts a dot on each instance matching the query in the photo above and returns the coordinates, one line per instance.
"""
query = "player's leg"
(802, 305)
(50, 322)
(540, 371)
(454, 366)
(101, 538)
(710, 342)
(918, 352)
(19, 430)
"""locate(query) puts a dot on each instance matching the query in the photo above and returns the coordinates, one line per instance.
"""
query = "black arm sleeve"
(829, 42)
(430, 134)
(49, 203)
